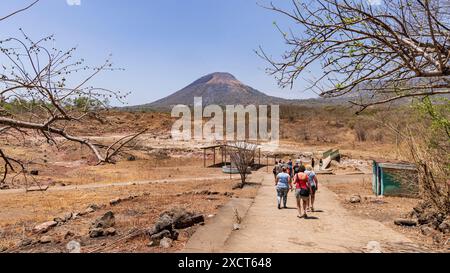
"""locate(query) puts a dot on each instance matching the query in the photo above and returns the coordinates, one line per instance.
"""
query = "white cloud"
(73, 2)
(375, 2)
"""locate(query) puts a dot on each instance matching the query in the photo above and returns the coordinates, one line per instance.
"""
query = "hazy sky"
(164, 45)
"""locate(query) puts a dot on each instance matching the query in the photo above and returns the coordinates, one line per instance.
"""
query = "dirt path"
(118, 184)
(333, 229)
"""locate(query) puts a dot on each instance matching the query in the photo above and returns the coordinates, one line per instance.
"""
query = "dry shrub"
(361, 133)
(426, 142)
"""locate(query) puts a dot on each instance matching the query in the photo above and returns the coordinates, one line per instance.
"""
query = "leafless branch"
(365, 50)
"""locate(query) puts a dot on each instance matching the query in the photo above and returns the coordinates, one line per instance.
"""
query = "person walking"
(313, 163)
(290, 166)
(302, 192)
(314, 182)
(275, 170)
(296, 168)
(283, 184)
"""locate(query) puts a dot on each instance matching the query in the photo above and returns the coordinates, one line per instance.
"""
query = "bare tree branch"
(18, 11)
(363, 49)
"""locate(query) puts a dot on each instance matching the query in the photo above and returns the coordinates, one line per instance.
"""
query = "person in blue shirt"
(314, 182)
(283, 183)
(290, 166)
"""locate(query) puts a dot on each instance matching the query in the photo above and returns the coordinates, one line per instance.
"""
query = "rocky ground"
(405, 215)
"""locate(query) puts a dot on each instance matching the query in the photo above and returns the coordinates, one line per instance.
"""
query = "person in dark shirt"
(296, 168)
(290, 166)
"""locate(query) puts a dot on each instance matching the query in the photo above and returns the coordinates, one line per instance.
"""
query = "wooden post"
(267, 163)
(259, 160)
(230, 168)
(204, 158)
(214, 157)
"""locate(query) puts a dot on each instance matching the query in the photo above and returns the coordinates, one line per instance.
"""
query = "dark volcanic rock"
(106, 221)
(188, 221)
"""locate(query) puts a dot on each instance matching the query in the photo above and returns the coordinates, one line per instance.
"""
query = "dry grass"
(20, 212)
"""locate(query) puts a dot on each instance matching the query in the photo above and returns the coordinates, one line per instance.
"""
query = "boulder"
(354, 199)
(427, 231)
(86, 211)
(96, 232)
(75, 215)
(106, 221)
(445, 227)
(68, 216)
(63, 218)
(236, 226)
(166, 243)
(188, 220)
(159, 236)
(45, 240)
(174, 235)
(44, 227)
(109, 232)
(95, 207)
(177, 218)
(163, 223)
(406, 222)
(115, 201)
(25, 242)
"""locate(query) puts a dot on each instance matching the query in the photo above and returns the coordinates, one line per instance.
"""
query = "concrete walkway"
(265, 229)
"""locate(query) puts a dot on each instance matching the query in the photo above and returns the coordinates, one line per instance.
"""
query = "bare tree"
(395, 50)
(38, 84)
(243, 157)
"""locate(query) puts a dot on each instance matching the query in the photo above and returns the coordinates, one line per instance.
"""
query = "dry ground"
(16, 221)
(70, 165)
(384, 210)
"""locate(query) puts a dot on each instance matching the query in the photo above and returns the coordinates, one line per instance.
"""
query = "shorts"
(299, 196)
(314, 189)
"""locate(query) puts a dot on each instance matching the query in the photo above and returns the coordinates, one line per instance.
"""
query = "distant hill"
(216, 88)
(224, 89)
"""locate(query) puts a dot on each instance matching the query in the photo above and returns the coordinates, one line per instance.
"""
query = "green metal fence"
(395, 179)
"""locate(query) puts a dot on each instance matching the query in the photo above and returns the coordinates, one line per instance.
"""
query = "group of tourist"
(303, 178)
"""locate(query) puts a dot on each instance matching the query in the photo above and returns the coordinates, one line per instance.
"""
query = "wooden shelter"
(225, 150)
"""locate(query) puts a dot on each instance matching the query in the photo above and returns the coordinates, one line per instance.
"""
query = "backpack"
(311, 176)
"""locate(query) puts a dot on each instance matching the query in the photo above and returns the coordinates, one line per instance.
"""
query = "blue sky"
(164, 45)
